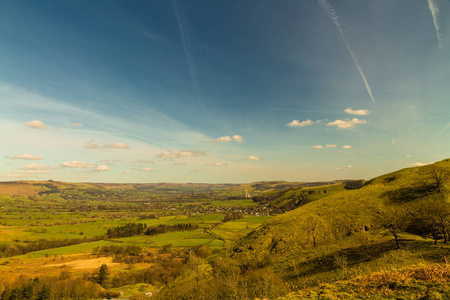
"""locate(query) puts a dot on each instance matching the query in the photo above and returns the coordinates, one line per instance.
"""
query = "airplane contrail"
(333, 16)
(187, 53)
(434, 9)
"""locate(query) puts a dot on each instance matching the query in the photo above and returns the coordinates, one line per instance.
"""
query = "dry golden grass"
(19, 189)
(54, 265)
(84, 264)
(432, 273)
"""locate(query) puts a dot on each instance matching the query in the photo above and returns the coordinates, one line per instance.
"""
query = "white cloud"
(330, 146)
(102, 168)
(35, 124)
(36, 167)
(222, 139)
(359, 112)
(144, 169)
(75, 124)
(77, 164)
(167, 155)
(419, 164)
(238, 138)
(297, 123)
(92, 146)
(252, 157)
(170, 155)
(227, 139)
(318, 147)
(190, 153)
(26, 156)
(127, 172)
(407, 155)
(347, 123)
(343, 168)
(34, 171)
(117, 145)
(346, 147)
(141, 161)
(217, 164)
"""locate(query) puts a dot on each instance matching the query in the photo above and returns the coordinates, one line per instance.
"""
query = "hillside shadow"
(425, 249)
(407, 194)
(354, 256)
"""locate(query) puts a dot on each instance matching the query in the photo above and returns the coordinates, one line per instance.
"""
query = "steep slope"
(337, 216)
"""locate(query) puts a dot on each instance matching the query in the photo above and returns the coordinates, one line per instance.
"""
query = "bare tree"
(432, 216)
(437, 174)
(314, 227)
(395, 219)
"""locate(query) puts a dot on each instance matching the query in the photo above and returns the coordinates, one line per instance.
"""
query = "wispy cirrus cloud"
(434, 9)
(75, 124)
(326, 6)
(347, 124)
(346, 147)
(359, 112)
(331, 146)
(297, 123)
(318, 147)
(149, 126)
(26, 156)
(35, 124)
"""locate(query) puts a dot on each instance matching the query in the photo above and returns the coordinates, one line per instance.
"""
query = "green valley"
(379, 239)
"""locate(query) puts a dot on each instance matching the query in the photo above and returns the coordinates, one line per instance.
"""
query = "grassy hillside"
(289, 198)
(336, 247)
(338, 215)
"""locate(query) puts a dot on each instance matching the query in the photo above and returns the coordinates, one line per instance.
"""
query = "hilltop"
(340, 214)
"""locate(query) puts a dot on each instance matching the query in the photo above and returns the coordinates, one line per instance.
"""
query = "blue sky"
(222, 91)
